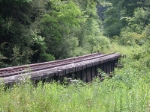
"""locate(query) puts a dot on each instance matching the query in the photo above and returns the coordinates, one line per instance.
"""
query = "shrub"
(46, 57)
(101, 44)
(131, 38)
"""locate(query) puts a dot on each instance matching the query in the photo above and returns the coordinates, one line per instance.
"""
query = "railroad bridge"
(84, 68)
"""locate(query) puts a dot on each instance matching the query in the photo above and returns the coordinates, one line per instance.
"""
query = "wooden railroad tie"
(81, 68)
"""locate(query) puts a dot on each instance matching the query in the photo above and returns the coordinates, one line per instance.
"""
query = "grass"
(127, 91)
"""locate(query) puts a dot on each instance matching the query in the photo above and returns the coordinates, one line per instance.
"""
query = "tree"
(118, 13)
(35, 31)
(18, 24)
(60, 22)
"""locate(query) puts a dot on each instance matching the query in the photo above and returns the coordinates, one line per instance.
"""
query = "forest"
(44, 30)
(33, 31)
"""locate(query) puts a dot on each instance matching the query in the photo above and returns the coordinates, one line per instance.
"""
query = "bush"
(46, 57)
(131, 38)
(148, 62)
(101, 44)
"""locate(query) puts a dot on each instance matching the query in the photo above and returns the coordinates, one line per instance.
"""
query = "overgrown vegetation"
(53, 29)
(127, 90)
(37, 31)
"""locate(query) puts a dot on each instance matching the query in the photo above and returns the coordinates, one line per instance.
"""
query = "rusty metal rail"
(16, 70)
(59, 67)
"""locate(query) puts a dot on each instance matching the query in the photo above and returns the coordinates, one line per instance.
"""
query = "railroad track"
(46, 69)
(16, 70)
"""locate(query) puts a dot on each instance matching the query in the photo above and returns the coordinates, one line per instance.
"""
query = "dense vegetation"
(43, 30)
(36, 31)
(128, 90)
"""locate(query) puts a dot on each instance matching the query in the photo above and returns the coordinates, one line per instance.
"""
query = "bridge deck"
(57, 68)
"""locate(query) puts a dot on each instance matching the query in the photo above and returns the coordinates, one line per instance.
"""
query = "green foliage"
(112, 22)
(100, 44)
(35, 31)
(1, 60)
(23, 1)
(127, 90)
(46, 57)
(58, 27)
(148, 62)
(131, 38)
(124, 13)
(18, 25)
(129, 23)
(146, 31)
(139, 20)
(67, 45)
(78, 51)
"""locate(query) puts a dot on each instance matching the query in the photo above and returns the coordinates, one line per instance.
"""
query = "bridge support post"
(89, 74)
(93, 72)
(109, 67)
(78, 75)
(105, 67)
(84, 75)
(96, 72)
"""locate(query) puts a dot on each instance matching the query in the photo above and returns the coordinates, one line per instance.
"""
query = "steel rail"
(49, 72)
(9, 71)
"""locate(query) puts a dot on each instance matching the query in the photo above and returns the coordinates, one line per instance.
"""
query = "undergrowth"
(127, 91)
